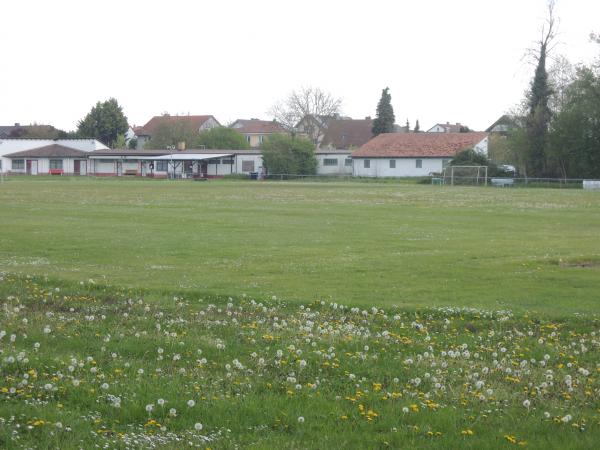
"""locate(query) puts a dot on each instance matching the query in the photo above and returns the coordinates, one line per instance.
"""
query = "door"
(77, 167)
(32, 166)
(204, 169)
(119, 168)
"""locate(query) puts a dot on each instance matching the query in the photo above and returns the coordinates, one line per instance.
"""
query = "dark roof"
(405, 145)
(256, 126)
(195, 122)
(347, 133)
(49, 151)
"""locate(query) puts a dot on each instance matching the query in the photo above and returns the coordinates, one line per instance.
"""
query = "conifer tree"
(417, 127)
(384, 119)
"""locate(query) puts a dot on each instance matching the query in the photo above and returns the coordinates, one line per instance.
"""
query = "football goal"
(465, 175)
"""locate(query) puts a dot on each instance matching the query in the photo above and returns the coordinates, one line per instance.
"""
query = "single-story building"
(193, 163)
(13, 145)
(413, 154)
(49, 160)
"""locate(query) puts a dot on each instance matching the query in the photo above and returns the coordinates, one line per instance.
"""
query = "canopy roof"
(187, 156)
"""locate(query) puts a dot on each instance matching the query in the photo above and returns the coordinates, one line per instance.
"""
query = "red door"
(77, 168)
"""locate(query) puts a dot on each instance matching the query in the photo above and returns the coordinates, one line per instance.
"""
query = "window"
(392, 163)
(348, 162)
(330, 161)
(419, 163)
(247, 166)
(18, 164)
(227, 161)
(56, 164)
(367, 163)
(162, 166)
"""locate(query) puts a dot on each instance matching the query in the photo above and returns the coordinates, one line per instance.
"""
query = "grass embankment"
(84, 365)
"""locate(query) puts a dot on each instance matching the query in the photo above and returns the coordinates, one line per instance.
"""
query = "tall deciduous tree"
(104, 122)
(312, 104)
(384, 119)
(574, 149)
(289, 155)
(539, 115)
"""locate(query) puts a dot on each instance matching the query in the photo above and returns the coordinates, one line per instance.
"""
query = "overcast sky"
(457, 61)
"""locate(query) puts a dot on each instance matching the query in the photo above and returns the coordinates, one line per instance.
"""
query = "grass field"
(357, 243)
(231, 314)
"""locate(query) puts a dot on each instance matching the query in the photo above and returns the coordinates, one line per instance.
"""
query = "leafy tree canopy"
(104, 122)
(289, 155)
(222, 138)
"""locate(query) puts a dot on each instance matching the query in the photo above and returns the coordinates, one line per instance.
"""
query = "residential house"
(347, 134)
(29, 131)
(413, 154)
(313, 127)
(503, 125)
(448, 128)
(196, 123)
(10, 146)
(257, 131)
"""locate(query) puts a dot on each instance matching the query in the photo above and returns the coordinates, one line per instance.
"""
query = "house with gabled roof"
(257, 131)
(347, 134)
(448, 128)
(195, 123)
(413, 154)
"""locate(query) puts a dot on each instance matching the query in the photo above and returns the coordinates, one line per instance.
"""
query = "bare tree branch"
(309, 107)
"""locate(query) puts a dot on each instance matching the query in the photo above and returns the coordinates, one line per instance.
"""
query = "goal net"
(465, 175)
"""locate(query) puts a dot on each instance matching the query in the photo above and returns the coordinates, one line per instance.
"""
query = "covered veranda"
(195, 165)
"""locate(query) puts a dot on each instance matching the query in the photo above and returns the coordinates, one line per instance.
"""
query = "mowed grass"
(357, 243)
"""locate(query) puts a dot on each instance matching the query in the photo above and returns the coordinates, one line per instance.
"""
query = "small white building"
(49, 160)
(413, 154)
(14, 145)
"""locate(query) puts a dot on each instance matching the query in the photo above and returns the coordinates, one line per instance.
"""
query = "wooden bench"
(55, 171)
(130, 172)
(502, 182)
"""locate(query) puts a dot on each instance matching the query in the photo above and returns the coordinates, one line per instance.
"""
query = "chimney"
(181, 146)
(17, 124)
(368, 118)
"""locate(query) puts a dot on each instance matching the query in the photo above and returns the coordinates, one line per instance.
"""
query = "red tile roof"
(255, 126)
(195, 122)
(405, 145)
(347, 133)
(49, 151)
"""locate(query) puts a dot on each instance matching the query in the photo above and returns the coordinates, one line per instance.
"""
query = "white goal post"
(470, 175)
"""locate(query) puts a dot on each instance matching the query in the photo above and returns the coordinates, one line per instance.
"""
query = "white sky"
(458, 61)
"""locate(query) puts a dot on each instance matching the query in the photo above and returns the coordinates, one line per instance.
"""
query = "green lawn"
(354, 243)
(142, 314)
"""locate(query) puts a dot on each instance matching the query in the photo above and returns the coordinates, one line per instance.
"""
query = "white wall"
(8, 146)
(482, 147)
(339, 169)
(43, 165)
(258, 163)
(405, 167)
